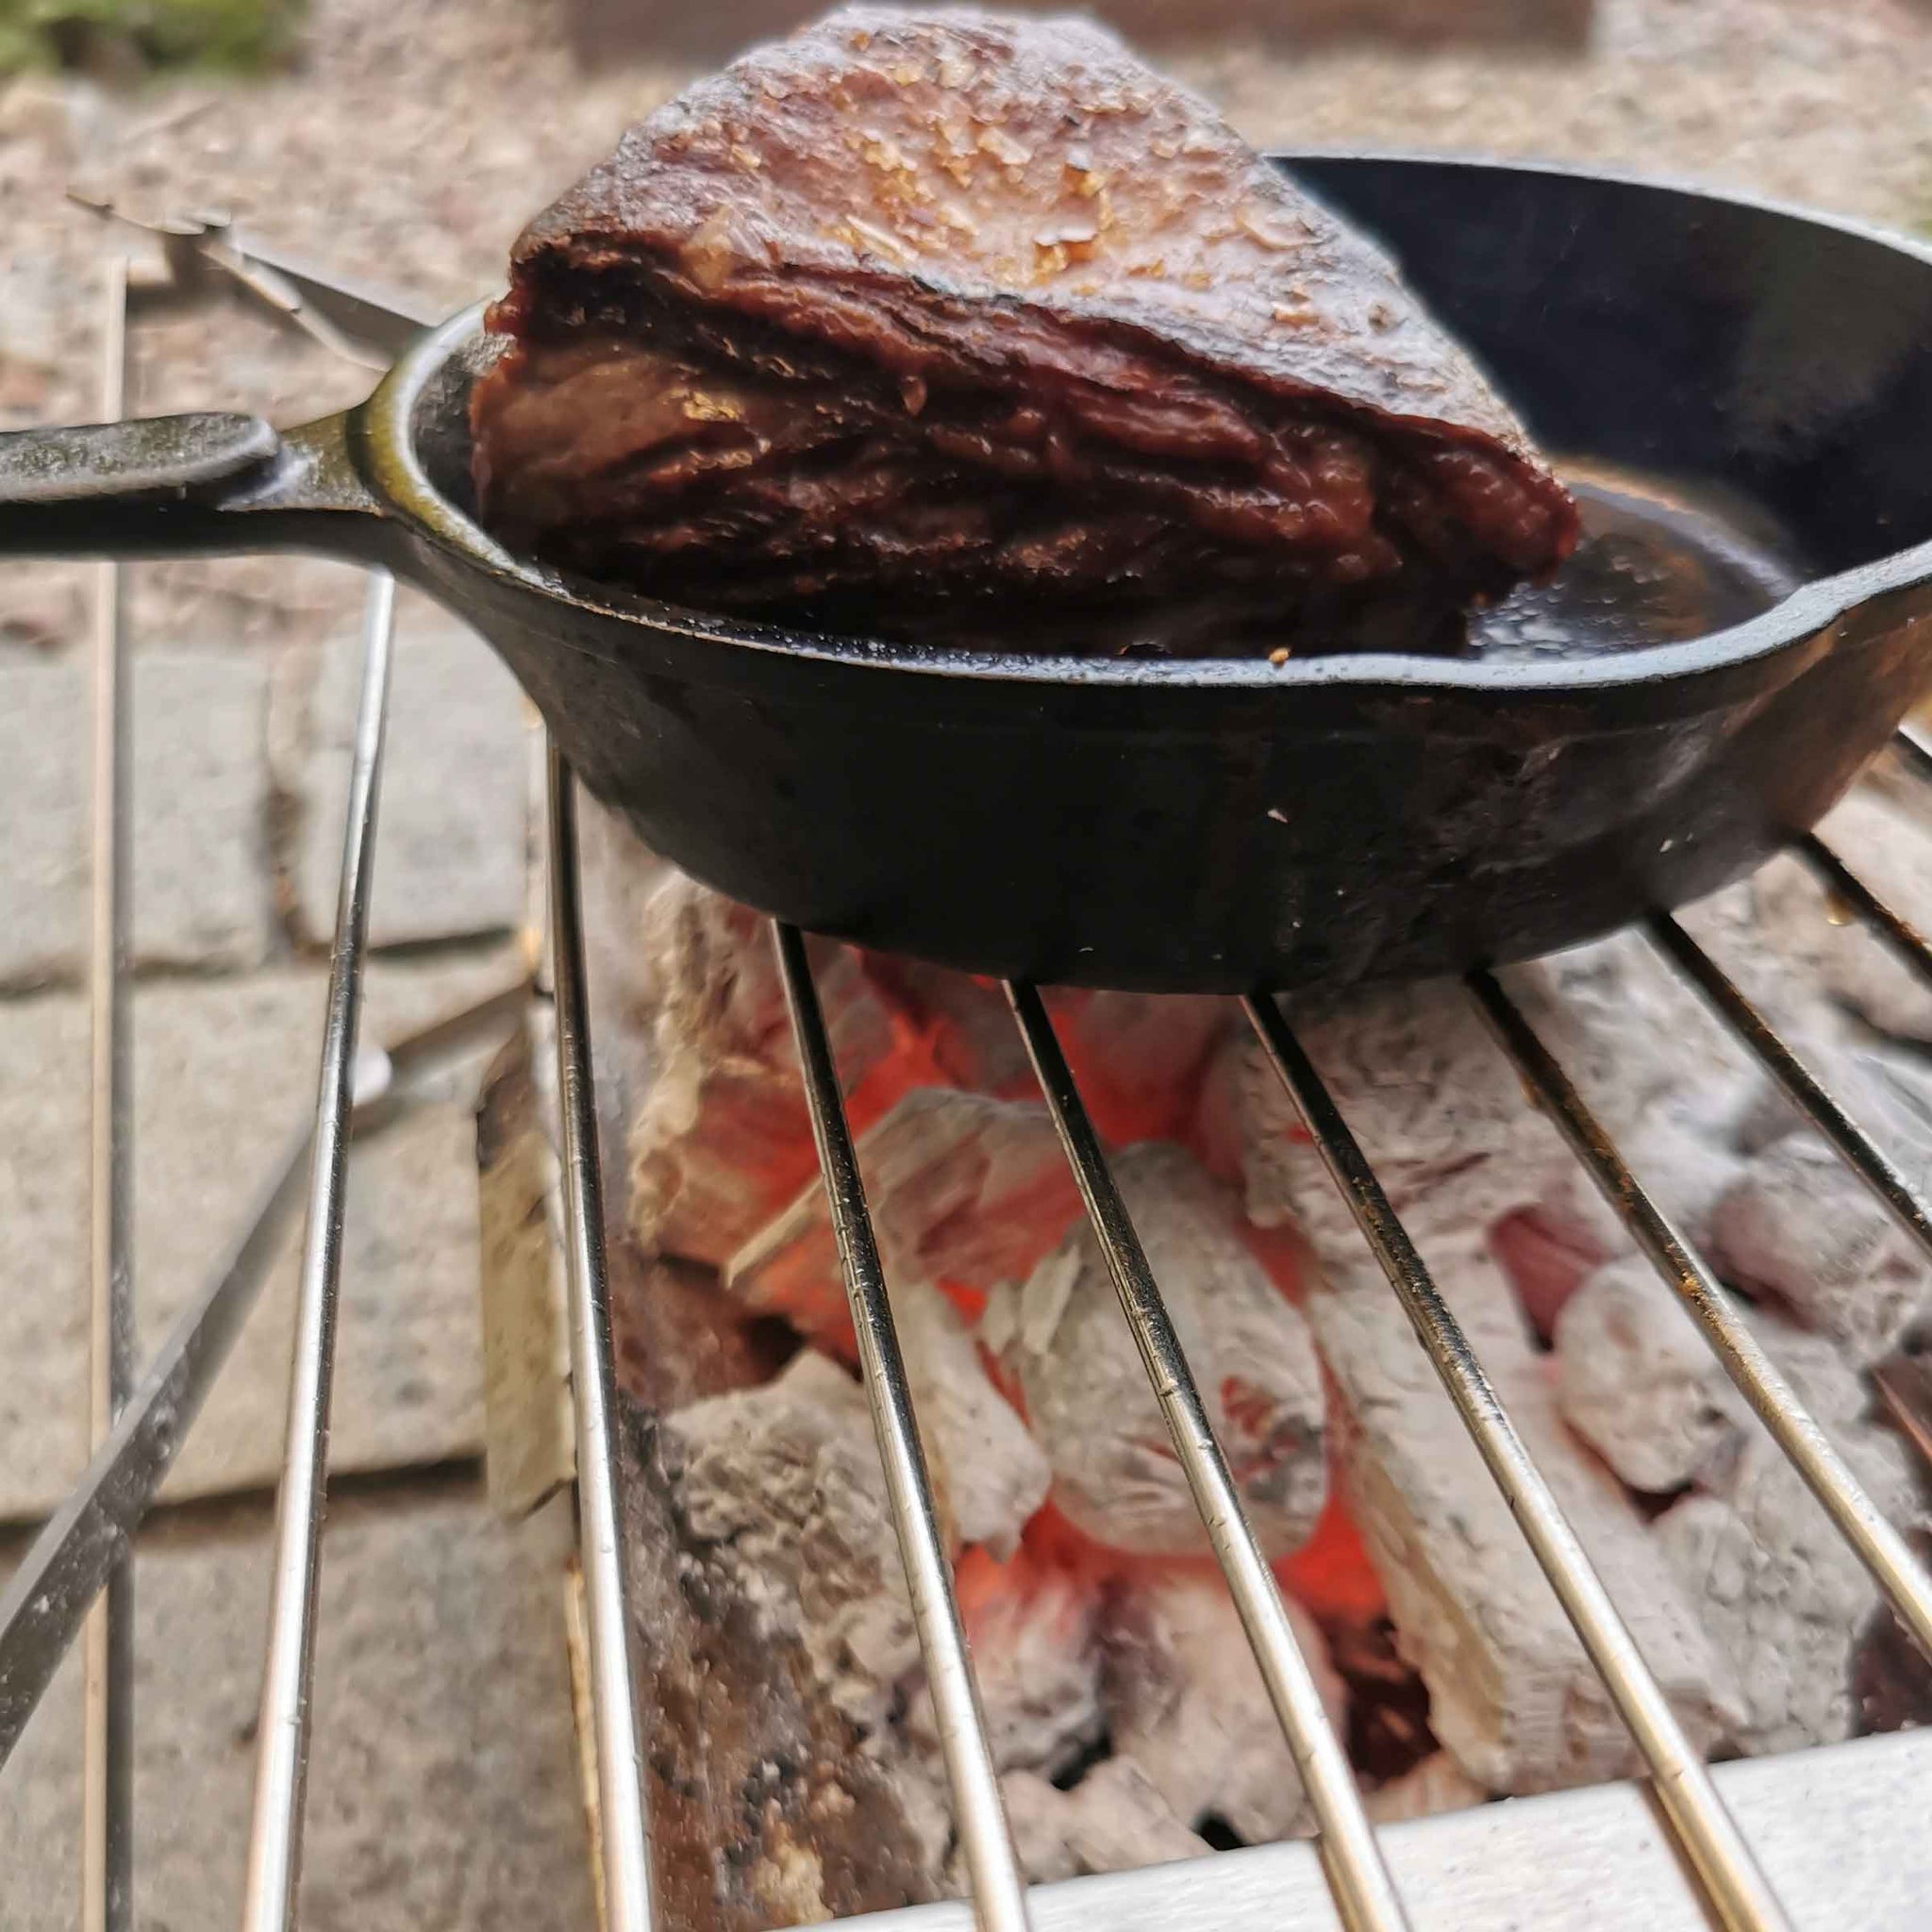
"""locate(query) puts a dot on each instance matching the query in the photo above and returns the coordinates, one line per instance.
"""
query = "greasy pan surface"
(1210, 824)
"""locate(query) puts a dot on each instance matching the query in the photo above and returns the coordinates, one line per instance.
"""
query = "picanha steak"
(950, 324)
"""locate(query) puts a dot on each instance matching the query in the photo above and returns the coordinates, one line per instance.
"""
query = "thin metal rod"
(107, 1692)
(1703, 1828)
(1364, 1892)
(624, 1834)
(1892, 926)
(49, 1593)
(999, 1894)
(1885, 1180)
(47, 1597)
(282, 1761)
(1883, 1551)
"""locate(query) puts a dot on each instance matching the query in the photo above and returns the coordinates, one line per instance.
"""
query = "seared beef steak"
(954, 324)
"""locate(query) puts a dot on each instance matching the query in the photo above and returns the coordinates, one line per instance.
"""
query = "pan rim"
(384, 426)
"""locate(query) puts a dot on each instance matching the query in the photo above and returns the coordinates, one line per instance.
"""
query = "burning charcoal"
(1186, 1703)
(1783, 1597)
(964, 1022)
(989, 1472)
(1640, 1384)
(1512, 1695)
(1114, 1819)
(782, 1486)
(1778, 1589)
(1547, 1258)
(1442, 1116)
(1426, 1090)
(1676, 1150)
(1775, 1586)
(723, 1139)
(964, 1191)
(912, 321)
(1799, 1225)
(1437, 1784)
(1033, 1626)
(1067, 1347)
(1892, 1677)
(1139, 1058)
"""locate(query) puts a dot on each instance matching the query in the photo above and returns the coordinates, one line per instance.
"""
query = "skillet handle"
(163, 485)
(118, 465)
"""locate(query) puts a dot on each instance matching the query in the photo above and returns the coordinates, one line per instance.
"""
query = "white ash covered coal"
(782, 1483)
(989, 1472)
(1511, 1693)
(1187, 1705)
(1062, 1339)
(723, 1139)
(1639, 1383)
(1799, 1228)
(1126, 1715)
(1114, 1819)
(962, 1188)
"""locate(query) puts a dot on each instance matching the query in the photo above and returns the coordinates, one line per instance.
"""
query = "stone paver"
(225, 1074)
(43, 727)
(203, 895)
(451, 840)
(43, 1249)
(443, 1790)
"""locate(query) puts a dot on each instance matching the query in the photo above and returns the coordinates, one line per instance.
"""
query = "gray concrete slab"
(452, 826)
(43, 808)
(203, 887)
(225, 1074)
(442, 1791)
(204, 894)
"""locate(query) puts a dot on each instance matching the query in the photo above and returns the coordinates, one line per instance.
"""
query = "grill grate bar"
(624, 1834)
(1879, 1172)
(108, 1670)
(282, 1763)
(1892, 925)
(999, 1894)
(1359, 1879)
(1699, 1820)
(1883, 1551)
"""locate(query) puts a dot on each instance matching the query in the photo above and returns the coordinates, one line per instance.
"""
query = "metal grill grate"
(78, 1556)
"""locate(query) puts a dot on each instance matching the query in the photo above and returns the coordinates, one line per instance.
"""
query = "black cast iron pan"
(1746, 393)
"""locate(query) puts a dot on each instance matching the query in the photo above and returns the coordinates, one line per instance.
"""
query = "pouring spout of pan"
(162, 485)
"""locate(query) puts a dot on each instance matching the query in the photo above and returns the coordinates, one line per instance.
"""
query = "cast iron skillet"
(1215, 824)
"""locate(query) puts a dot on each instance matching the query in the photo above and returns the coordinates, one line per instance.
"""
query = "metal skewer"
(275, 1842)
(107, 1737)
(47, 1597)
(624, 1836)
